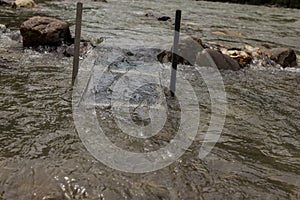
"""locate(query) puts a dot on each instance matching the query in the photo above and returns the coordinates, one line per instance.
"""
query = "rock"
(149, 14)
(7, 33)
(104, 1)
(158, 17)
(242, 57)
(24, 3)
(96, 41)
(191, 52)
(15, 35)
(146, 55)
(188, 49)
(253, 51)
(223, 62)
(2, 28)
(84, 47)
(45, 31)
(70, 50)
(163, 18)
(286, 57)
(165, 56)
(4, 3)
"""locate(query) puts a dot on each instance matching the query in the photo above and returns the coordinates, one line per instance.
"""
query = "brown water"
(257, 156)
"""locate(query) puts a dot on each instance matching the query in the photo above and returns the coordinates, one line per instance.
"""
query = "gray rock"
(189, 47)
(2, 28)
(187, 52)
(286, 57)
(45, 31)
(15, 35)
(68, 51)
(223, 62)
(165, 56)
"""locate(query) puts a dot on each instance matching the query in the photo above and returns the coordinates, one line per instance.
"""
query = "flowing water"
(256, 157)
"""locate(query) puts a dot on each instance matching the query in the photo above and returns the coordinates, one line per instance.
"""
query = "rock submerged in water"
(189, 52)
(11, 46)
(286, 57)
(221, 61)
(189, 47)
(242, 57)
(45, 31)
(158, 17)
(9, 34)
(68, 51)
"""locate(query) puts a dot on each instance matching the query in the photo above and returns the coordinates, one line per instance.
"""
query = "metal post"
(77, 42)
(175, 53)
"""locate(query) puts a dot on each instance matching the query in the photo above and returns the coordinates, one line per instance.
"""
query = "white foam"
(292, 69)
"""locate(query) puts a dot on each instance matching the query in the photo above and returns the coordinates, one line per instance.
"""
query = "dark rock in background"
(45, 31)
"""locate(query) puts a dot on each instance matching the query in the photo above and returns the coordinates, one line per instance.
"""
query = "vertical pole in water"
(175, 53)
(77, 42)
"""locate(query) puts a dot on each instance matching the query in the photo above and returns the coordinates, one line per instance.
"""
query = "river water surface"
(258, 153)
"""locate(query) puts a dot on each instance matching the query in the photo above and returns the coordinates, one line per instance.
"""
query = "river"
(256, 157)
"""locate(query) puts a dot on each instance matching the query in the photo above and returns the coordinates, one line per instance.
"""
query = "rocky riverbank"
(231, 58)
(45, 34)
(282, 3)
(53, 35)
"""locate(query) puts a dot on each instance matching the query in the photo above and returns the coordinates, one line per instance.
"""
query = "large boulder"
(221, 61)
(187, 51)
(286, 57)
(45, 31)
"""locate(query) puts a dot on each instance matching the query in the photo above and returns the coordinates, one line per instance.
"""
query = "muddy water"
(257, 156)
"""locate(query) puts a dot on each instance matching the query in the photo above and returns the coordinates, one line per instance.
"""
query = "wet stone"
(286, 57)
(223, 62)
(158, 16)
(44, 31)
(24, 3)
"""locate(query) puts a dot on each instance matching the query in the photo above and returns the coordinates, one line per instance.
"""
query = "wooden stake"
(77, 42)
(175, 53)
